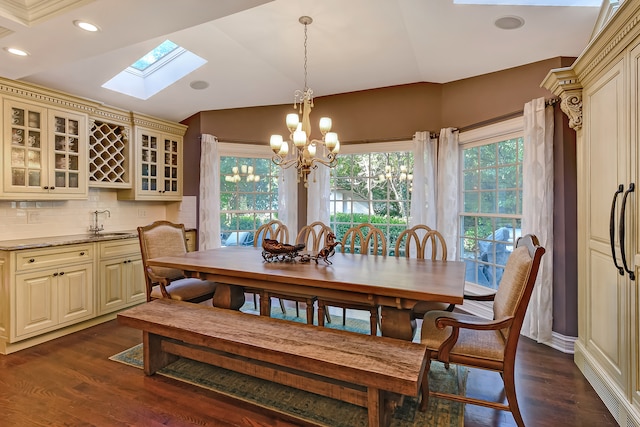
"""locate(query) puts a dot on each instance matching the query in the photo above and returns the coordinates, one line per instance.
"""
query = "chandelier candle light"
(306, 152)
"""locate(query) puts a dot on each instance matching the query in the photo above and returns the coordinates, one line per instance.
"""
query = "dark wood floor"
(71, 382)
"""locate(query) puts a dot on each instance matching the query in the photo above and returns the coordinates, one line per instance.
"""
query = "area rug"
(310, 407)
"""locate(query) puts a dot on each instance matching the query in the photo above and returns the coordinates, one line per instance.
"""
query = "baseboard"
(563, 343)
(613, 397)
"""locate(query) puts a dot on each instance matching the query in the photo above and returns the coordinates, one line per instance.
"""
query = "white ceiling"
(254, 48)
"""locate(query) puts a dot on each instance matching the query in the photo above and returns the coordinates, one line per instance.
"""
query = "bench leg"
(378, 409)
(153, 356)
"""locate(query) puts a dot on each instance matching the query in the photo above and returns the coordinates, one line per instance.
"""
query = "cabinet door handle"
(55, 274)
(46, 187)
(621, 227)
(81, 253)
(62, 273)
(612, 229)
(32, 260)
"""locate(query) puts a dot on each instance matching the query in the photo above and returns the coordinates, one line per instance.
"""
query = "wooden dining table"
(395, 284)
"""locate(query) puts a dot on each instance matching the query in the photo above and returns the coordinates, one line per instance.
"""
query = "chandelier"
(306, 153)
(244, 171)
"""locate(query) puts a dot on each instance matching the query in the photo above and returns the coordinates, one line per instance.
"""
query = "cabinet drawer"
(53, 257)
(116, 248)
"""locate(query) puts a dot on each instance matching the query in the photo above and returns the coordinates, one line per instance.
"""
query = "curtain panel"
(537, 213)
(209, 224)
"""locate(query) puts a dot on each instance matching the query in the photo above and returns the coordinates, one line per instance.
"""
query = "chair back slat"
(274, 229)
(365, 239)
(421, 241)
(313, 236)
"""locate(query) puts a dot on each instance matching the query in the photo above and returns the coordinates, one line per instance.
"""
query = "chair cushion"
(165, 241)
(186, 289)
(482, 344)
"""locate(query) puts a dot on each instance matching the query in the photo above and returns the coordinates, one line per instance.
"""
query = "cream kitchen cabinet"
(53, 289)
(45, 154)
(158, 162)
(121, 281)
(600, 93)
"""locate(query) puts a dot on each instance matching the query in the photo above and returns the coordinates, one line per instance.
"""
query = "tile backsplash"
(22, 220)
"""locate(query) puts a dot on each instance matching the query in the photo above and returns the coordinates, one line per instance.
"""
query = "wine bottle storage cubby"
(108, 159)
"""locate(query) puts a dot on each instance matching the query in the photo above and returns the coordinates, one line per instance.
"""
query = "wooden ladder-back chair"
(365, 239)
(312, 233)
(164, 238)
(486, 344)
(423, 242)
(276, 230)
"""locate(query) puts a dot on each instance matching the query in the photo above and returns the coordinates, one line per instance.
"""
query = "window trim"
(507, 129)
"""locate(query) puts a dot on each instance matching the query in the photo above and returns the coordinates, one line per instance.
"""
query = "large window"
(248, 197)
(374, 187)
(491, 200)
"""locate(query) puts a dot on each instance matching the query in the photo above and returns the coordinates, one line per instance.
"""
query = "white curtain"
(537, 213)
(318, 195)
(423, 205)
(447, 190)
(288, 201)
(209, 226)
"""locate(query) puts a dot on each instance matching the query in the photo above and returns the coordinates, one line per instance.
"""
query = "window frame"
(376, 147)
(490, 134)
(253, 151)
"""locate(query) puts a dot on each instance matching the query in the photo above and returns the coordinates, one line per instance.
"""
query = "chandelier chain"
(305, 57)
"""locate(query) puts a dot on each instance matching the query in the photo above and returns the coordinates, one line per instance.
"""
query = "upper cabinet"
(45, 152)
(158, 161)
(56, 146)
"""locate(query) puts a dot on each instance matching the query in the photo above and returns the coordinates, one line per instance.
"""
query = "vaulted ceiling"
(254, 48)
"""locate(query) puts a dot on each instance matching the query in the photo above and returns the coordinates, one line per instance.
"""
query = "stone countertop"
(48, 242)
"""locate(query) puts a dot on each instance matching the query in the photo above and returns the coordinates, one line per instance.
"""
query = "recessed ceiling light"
(509, 22)
(16, 51)
(199, 85)
(87, 26)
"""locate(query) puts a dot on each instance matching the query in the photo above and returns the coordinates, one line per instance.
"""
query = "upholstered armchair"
(482, 343)
(164, 238)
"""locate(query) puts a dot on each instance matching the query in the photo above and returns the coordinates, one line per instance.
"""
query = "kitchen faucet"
(95, 228)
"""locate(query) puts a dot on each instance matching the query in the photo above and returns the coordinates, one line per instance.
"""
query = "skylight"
(162, 50)
(161, 67)
(583, 3)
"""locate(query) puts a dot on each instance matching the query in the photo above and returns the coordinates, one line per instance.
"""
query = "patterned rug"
(310, 407)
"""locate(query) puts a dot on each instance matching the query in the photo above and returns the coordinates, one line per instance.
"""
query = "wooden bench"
(369, 371)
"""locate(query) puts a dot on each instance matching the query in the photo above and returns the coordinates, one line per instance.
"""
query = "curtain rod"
(507, 116)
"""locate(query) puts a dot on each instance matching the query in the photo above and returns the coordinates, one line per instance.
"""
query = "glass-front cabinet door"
(25, 156)
(159, 163)
(46, 153)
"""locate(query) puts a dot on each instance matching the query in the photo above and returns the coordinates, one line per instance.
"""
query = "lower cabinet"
(53, 298)
(49, 292)
(121, 282)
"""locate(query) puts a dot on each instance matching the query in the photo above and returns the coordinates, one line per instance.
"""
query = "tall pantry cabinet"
(600, 93)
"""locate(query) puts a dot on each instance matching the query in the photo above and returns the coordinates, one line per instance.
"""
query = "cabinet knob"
(55, 274)
(62, 273)
(46, 187)
(81, 253)
(52, 188)
(32, 260)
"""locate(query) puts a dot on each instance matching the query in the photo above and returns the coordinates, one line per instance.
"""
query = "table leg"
(228, 296)
(397, 323)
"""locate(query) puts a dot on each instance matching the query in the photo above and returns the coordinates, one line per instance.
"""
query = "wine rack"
(109, 155)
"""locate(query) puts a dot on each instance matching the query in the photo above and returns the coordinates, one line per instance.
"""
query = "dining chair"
(365, 239)
(273, 229)
(423, 242)
(314, 236)
(164, 238)
(477, 342)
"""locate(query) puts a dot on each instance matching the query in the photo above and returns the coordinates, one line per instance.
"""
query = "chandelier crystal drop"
(301, 150)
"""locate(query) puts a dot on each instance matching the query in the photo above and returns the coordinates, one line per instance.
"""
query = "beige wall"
(397, 113)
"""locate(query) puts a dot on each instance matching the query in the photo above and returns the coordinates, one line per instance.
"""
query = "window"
(248, 197)
(491, 200)
(374, 187)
